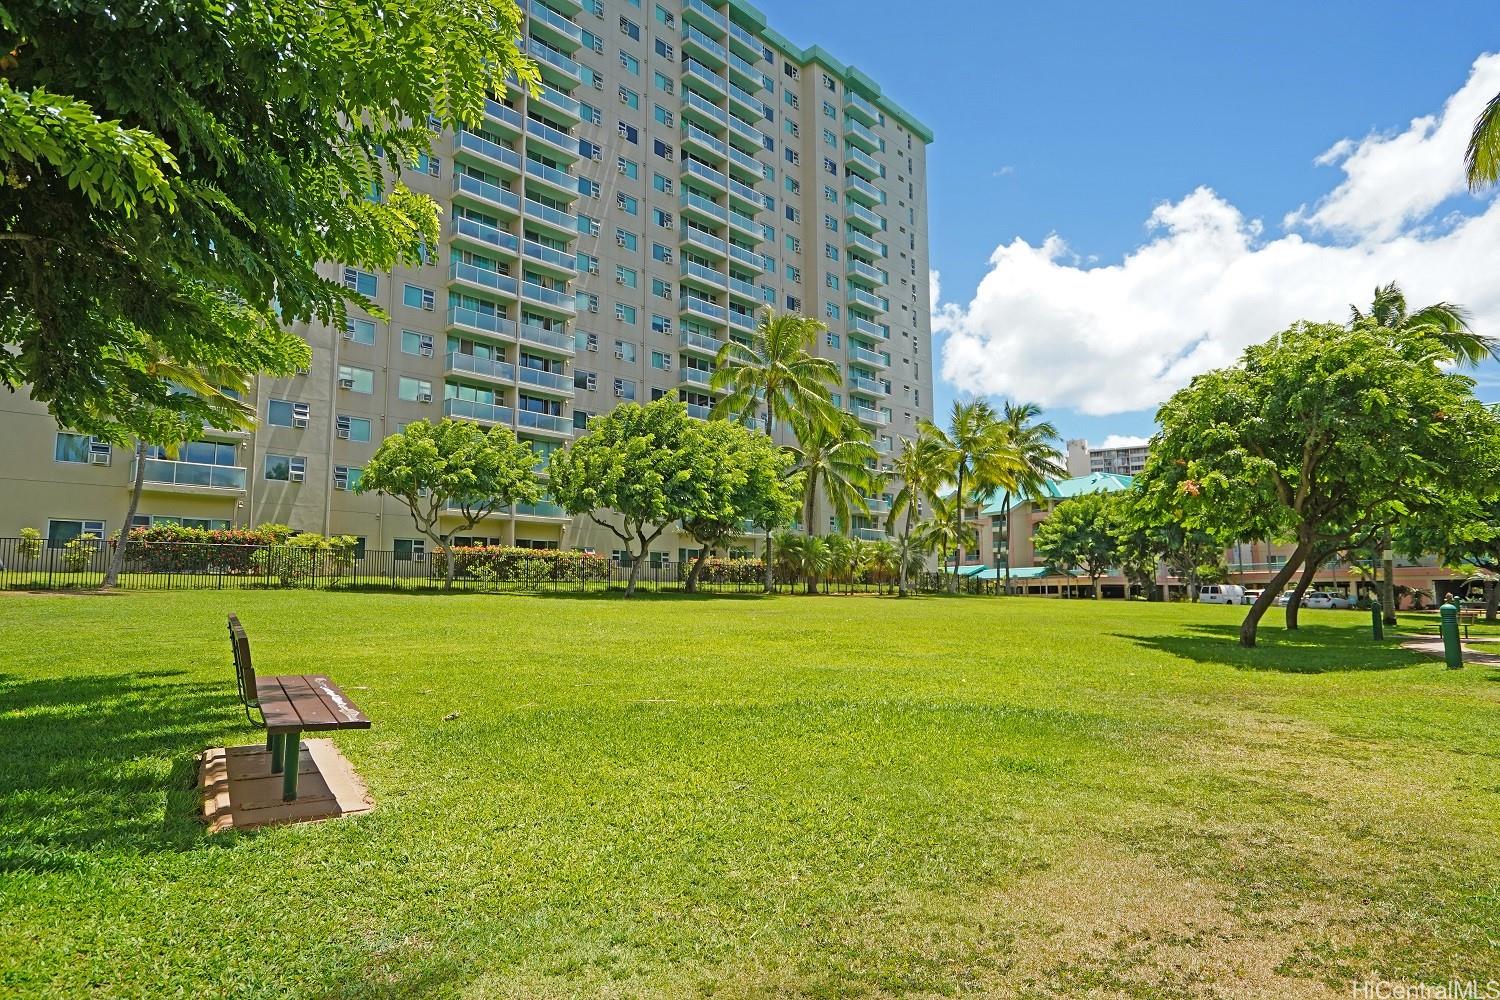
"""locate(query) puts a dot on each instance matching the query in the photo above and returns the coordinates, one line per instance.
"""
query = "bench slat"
(276, 708)
(314, 712)
(349, 714)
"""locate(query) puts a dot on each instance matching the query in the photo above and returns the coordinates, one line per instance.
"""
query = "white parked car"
(1323, 599)
(1285, 597)
(1221, 593)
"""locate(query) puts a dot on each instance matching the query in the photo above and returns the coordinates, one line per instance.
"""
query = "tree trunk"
(1303, 582)
(1387, 580)
(448, 563)
(766, 558)
(1005, 515)
(1491, 598)
(958, 550)
(635, 572)
(1268, 596)
(117, 558)
(696, 572)
(809, 505)
(1098, 592)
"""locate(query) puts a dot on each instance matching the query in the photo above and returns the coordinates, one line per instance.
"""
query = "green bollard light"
(1377, 626)
(1452, 651)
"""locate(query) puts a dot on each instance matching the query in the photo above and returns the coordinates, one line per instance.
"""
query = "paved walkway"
(1433, 646)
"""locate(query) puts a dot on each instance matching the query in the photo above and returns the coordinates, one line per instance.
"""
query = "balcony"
(746, 226)
(870, 415)
(865, 356)
(544, 423)
(705, 242)
(562, 221)
(870, 246)
(859, 297)
(467, 145)
(692, 305)
(746, 196)
(698, 342)
(703, 208)
(858, 215)
(745, 162)
(564, 184)
(866, 328)
(698, 412)
(474, 321)
(558, 383)
(487, 195)
(484, 413)
(162, 475)
(861, 109)
(693, 271)
(863, 191)
(871, 275)
(695, 71)
(546, 510)
(561, 143)
(877, 505)
(870, 534)
(856, 157)
(861, 136)
(704, 173)
(743, 320)
(883, 446)
(508, 118)
(745, 42)
(697, 376)
(744, 290)
(563, 70)
(705, 110)
(745, 75)
(868, 386)
(551, 298)
(547, 256)
(746, 101)
(481, 278)
(705, 17)
(558, 101)
(552, 340)
(482, 368)
(704, 142)
(558, 29)
(747, 258)
(483, 235)
(749, 137)
(697, 43)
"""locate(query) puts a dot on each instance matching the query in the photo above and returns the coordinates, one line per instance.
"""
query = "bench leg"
(291, 757)
(278, 744)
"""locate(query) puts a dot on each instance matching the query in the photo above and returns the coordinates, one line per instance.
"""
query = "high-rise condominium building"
(1124, 460)
(682, 167)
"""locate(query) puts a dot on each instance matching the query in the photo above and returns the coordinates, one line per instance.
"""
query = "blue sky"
(1079, 119)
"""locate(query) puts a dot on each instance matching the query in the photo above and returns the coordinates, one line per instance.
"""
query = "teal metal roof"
(1063, 489)
(966, 570)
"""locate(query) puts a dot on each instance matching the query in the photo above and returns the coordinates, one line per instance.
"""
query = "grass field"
(745, 797)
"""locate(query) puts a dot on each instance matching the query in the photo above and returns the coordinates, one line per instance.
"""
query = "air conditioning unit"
(619, 240)
(619, 280)
(619, 355)
(592, 342)
(424, 397)
(666, 258)
(297, 475)
(620, 391)
(299, 422)
(620, 167)
(428, 304)
(666, 364)
(348, 334)
(99, 458)
(343, 433)
(592, 382)
(426, 350)
(666, 223)
(346, 383)
(593, 266)
(598, 153)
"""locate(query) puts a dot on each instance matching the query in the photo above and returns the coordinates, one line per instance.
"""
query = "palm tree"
(1483, 158)
(946, 530)
(836, 459)
(219, 388)
(1037, 460)
(1445, 326)
(806, 556)
(776, 372)
(980, 455)
(922, 467)
(881, 562)
(840, 556)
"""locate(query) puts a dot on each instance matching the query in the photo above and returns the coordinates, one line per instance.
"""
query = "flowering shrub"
(492, 564)
(170, 548)
(78, 553)
(305, 556)
(30, 546)
(716, 570)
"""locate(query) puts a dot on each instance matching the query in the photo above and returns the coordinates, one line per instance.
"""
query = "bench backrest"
(244, 671)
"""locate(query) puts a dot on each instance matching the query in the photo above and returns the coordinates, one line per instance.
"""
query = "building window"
(79, 449)
(629, 168)
(417, 297)
(360, 331)
(286, 468)
(356, 379)
(414, 390)
(353, 429)
(625, 276)
(359, 281)
(61, 531)
(624, 389)
(409, 549)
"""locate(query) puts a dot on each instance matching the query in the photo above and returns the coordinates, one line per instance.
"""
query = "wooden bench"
(1466, 617)
(289, 706)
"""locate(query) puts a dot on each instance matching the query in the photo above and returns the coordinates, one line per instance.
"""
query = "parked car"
(1323, 599)
(1251, 596)
(1284, 598)
(1221, 593)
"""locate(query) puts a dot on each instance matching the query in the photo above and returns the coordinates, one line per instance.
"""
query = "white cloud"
(1043, 327)
(1122, 441)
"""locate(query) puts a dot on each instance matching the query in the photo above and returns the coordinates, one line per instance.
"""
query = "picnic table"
(288, 707)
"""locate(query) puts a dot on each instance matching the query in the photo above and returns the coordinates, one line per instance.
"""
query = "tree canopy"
(452, 469)
(172, 180)
(1321, 425)
(1082, 534)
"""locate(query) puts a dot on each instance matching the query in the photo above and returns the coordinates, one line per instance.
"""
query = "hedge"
(503, 563)
(175, 549)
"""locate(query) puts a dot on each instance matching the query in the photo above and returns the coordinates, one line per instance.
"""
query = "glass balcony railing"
(166, 472)
(859, 187)
(549, 56)
(468, 364)
(747, 132)
(552, 175)
(869, 272)
(746, 194)
(875, 303)
(703, 206)
(859, 215)
(551, 381)
(711, 49)
(692, 133)
(869, 415)
(693, 68)
(747, 257)
(563, 301)
(555, 21)
(747, 100)
(560, 101)
(556, 216)
(481, 232)
(865, 356)
(869, 534)
(549, 255)
(861, 108)
(705, 173)
(746, 224)
(485, 278)
(751, 76)
(482, 322)
(865, 243)
(746, 162)
(867, 329)
(703, 307)
(699, 412)
(541, 336)
(862, 135)
(697, 341)
(867, 385)
(697, 376)
(703, 105)
(544, 509)
(747, 41)
(707, 275)
(491, 194)
(744, 288)
(858, 157)
(705, 14)
(699, 238)
(561, 140)
(496, 111)
(490, 152)
(743, 320)
(471, 409)
(551, 423)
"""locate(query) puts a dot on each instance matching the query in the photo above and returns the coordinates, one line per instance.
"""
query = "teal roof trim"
(1063, 489)
(751, 16)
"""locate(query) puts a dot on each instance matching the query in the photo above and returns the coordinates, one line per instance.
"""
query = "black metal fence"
(29, 564)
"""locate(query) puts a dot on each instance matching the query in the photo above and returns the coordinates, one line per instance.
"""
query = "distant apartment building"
(682, 167)
(1082, 460)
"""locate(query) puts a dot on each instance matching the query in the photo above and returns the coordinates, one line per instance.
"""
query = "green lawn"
(746, 797)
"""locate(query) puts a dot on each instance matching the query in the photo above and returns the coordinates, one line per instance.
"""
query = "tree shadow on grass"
(1311, 649)
(103, 764)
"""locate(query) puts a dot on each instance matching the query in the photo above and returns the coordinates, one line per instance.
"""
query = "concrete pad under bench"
(240, 792)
